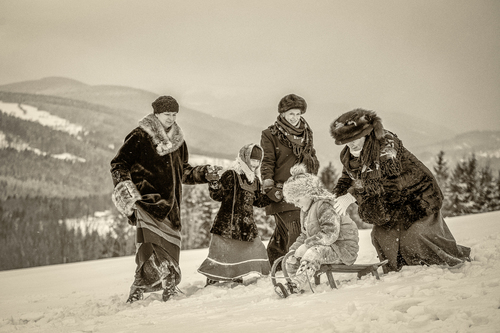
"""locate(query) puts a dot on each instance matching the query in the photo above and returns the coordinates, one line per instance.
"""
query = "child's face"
(254, 164)
(303, 203)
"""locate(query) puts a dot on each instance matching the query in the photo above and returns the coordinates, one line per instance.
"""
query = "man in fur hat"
(148, 172)
(287, 142)
(395, 192)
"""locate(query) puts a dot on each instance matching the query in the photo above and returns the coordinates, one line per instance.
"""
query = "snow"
(90, 296)
(69, 157)
(31, 113)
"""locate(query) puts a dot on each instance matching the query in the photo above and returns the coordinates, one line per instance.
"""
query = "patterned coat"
(322, 226)
(157, 164)
(406, 198)
(238, 197)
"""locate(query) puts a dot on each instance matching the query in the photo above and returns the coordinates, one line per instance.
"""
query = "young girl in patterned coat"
(236, 249)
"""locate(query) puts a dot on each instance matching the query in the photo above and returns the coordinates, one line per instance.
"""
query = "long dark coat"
(278, 159)
(412, 195)
(238, 197)
(158, 166)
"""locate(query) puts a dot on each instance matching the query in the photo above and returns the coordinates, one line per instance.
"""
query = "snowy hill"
(90, 296)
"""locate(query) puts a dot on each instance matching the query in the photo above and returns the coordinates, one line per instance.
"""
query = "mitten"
(124, 197)
(343, 202)
(268, 184)
(212, 173)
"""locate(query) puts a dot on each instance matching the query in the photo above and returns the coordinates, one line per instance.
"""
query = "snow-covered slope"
(90, 297)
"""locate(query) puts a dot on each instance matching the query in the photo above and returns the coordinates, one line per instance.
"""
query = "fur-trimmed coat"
(405, 199)
(157, 163)
(320, 225)
(238, 197)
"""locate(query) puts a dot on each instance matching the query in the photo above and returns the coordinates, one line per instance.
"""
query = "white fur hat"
(302, 184)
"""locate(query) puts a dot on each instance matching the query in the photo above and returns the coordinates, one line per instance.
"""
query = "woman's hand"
(342, 203)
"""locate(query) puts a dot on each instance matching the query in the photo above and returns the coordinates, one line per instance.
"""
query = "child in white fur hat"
(326, 237)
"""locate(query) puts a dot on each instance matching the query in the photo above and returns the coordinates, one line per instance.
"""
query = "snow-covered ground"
(90, 297)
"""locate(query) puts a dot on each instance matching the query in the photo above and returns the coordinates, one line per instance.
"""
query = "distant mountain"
(205, 134)
(53, 147)
(485, 145)
(108, 113)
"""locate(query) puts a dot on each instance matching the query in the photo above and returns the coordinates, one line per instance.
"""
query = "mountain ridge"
(222, 137)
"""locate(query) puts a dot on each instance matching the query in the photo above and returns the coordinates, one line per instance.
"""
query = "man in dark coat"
(395, 192)
(287, 142)
(148, 172)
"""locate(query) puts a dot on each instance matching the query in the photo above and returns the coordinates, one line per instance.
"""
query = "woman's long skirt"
(230, 259)
(426, 242)
(157, 254)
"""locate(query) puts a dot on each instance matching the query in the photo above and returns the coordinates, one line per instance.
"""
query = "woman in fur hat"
(287, 142)
(325, 238)
(395, 192)
(236, 249)
(148, 172)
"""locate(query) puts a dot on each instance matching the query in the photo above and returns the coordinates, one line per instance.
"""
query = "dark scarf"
(299, 139)
(378, 158)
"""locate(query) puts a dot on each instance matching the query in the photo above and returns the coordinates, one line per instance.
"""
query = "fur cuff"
(124, 197)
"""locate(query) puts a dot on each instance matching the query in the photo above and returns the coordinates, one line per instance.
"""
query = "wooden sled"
(360, 269)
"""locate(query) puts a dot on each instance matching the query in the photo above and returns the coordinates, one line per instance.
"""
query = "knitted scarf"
(299, 139)
(378, 159)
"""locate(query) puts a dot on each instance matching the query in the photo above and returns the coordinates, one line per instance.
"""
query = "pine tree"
(441, 171)
(487, 191)
(329, 176)
(463, 188)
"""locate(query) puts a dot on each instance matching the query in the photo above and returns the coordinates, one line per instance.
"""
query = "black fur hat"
(355, 124)
(292, 101)
(165, 104)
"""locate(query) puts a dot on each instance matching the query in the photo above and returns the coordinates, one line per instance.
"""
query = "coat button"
(397, 239)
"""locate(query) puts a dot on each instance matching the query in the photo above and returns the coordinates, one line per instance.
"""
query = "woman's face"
(292, 116)
(356, 146)
(254, 164)
(167, 118)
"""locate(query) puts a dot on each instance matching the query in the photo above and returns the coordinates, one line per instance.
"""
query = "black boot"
(136, 294)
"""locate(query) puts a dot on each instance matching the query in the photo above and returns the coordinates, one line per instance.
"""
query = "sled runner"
(283, 290)
(361, 269)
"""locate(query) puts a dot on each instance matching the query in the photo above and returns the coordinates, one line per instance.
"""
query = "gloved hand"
(212, 173)
(267, 185)
(343, 202)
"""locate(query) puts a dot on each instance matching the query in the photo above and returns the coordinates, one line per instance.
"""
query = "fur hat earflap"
(355, 124)
(292, 101)
(165, 104)
(303, 184)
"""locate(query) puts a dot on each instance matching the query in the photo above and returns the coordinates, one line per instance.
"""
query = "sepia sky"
(439, 59)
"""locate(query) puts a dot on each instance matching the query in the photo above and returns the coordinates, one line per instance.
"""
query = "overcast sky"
(436, 58)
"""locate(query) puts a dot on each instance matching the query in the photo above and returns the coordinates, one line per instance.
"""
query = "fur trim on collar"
(165, 142)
